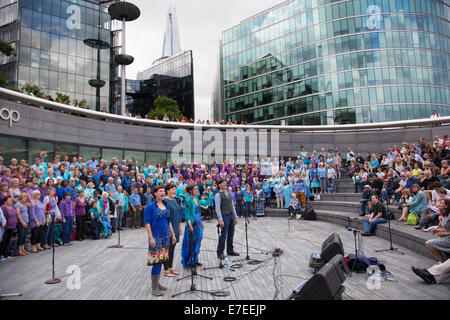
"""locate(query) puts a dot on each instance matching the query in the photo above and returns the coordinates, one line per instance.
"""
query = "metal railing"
(55, 106)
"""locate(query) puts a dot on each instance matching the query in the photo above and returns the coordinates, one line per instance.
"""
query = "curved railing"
(24, 98)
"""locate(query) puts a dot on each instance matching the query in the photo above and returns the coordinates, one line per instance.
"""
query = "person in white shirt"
(434, 114)
(350, 155)
(331, 176)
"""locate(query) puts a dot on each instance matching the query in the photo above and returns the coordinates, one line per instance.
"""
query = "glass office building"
(171, 77)
(52, 51)
(325, 62)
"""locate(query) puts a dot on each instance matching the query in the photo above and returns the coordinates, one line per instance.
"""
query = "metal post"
(122, 95)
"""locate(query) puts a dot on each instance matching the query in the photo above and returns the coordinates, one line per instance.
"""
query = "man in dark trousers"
(226, 214)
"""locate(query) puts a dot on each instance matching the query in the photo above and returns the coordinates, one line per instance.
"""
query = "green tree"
(33, 90)
(62, 98)
(165, 105)
(7, 50)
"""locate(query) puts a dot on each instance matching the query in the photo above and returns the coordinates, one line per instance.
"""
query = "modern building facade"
(58, 44)
(171, 76)
(327, 62)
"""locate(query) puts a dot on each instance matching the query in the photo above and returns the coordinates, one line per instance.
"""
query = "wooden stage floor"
(122, 274)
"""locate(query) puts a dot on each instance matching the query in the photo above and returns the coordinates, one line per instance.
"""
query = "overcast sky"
(201, 23)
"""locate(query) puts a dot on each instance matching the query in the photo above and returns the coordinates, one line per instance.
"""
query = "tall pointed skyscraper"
(171, 44)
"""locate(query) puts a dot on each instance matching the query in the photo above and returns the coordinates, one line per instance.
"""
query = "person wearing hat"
(67, 210)
(226, 214)
(365, 199)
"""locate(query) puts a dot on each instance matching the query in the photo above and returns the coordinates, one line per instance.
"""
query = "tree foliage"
(7, 50)
(165, 105)
(62, 98)
(33, 90)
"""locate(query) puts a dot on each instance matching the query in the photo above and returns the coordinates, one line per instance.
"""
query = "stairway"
(343, 208)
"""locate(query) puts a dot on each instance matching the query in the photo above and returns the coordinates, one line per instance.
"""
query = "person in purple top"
(37, 219)
(10, 213)
(80, 214)
(6, 176)
(68, 217)
(29, 189)
(22, 224)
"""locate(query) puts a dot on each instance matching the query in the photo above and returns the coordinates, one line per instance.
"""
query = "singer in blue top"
(159, 231)
(193, 233)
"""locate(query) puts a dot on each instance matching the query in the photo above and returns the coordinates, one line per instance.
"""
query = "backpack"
(361, 263)
(309, 213)
(413, 219)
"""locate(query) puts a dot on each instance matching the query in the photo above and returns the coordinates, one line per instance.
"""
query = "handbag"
(413, 219)
(157, 257)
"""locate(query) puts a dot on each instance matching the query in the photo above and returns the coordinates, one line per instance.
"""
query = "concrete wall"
(41, 124)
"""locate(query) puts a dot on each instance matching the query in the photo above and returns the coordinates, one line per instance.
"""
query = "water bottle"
(226, 265)
(2, 259)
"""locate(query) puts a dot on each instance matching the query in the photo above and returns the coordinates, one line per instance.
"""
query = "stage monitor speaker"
(331, 247)
(325, 284)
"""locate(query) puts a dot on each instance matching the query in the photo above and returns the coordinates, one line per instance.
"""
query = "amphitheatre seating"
(343, 208)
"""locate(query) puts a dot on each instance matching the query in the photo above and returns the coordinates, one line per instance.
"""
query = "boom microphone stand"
(391, 248)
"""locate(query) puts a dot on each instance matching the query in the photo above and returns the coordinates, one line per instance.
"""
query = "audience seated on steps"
(365, 200)
(440, 246)
(429, 216)
(377, 216)
(417, 204)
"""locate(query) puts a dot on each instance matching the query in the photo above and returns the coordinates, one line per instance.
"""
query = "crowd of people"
(57, 200)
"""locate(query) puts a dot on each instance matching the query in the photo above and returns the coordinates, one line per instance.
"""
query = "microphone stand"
(192, 241)
(247, 258)
(221, 266)
(53, 280)
(391, 248)
(118, 245)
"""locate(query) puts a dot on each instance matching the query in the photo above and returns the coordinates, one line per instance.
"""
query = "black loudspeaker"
(331, 247)
(325, 284)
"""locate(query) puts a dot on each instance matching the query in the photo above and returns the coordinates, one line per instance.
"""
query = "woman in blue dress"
(287, 193)
(193, 233)
(159, 231)
(315, 185)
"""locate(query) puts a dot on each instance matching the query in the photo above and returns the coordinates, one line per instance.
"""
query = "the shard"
(171, 44)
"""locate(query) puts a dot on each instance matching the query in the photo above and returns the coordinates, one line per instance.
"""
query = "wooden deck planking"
(119, 274)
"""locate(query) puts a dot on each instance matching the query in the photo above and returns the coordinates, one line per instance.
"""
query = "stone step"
(348, 196)
(346, 189)
(402, 234)
(346, 206)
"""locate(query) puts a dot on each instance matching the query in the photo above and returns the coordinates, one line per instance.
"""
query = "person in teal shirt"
(248, 197)
(193, 233)
(287, 193)
(205, 208)
(278, 189)
(322, 174)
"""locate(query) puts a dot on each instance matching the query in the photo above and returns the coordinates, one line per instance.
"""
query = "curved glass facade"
(51, 52)
(329, 62)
